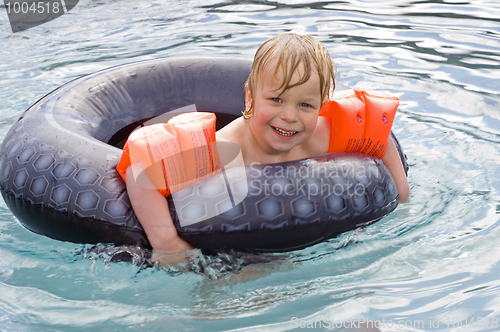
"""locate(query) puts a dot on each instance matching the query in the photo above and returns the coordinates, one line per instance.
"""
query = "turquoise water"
(432, 265)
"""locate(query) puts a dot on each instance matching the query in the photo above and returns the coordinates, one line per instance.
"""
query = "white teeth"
(285, 133)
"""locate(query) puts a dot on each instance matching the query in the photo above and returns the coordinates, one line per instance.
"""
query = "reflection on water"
(433, 260)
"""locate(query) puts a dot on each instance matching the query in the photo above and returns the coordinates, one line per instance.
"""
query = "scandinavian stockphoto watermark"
(25, 14)
(324, 179)
(362, 322)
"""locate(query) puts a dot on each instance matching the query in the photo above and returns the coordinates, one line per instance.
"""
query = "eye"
(276, 99)
(306, 105)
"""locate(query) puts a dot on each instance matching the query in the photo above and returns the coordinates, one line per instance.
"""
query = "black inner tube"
(58, 176)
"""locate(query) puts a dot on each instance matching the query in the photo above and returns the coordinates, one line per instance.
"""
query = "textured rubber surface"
(57, 170)
(289, 205)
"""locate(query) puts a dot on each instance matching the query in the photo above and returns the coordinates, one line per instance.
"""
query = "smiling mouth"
(284, 132)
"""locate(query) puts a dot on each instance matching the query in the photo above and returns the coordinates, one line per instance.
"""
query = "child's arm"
(151, 208)
(393, 163)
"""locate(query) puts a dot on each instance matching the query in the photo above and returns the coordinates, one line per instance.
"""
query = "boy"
(289, 82)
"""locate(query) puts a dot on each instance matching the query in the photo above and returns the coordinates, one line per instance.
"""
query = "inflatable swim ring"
(58, 165)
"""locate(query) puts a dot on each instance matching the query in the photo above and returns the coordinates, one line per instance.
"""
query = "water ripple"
(432, 260)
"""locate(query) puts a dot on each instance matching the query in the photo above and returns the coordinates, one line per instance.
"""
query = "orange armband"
(174, 154)
(360, 122)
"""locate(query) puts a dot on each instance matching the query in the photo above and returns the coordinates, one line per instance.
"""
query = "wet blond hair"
(290, 50)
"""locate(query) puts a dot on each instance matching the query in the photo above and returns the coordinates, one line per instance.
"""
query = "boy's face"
(283, 121)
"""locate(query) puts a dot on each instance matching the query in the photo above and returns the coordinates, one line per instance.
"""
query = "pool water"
(432, 265)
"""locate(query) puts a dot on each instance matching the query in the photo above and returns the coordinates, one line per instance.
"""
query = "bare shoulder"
(319, 141)
(231, 132)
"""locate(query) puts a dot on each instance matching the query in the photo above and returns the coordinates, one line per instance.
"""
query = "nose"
(289, 114)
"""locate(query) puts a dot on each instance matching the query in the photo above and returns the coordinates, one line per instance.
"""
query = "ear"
(248, 98)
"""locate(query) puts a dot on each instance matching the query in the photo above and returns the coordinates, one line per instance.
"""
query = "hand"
(170, 258)
(174, 252)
